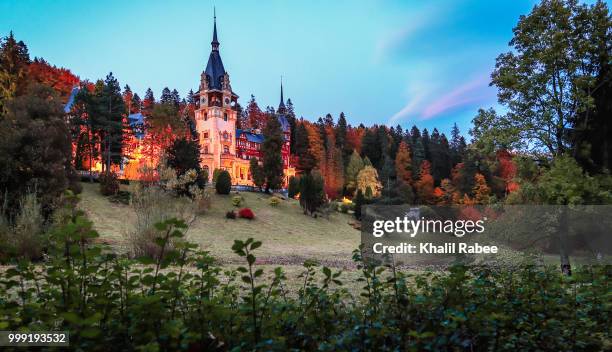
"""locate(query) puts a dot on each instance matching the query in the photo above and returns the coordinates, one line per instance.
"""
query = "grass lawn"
(289, 237)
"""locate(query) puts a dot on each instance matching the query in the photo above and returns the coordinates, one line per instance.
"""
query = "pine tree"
(110, 110)
(176, 98)
(293, 122)
(294, 187)
(14, 61)
(127, 98)
(312, 195)
(254, 114)
(257, 174)
(271, 150)
(371, 147)
(135, 104)
(359, 202)
(355, 165)
(148, 103)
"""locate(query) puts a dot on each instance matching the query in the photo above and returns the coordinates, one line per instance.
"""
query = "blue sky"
(408, 62)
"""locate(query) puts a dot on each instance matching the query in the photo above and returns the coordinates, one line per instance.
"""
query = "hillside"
(288, 235)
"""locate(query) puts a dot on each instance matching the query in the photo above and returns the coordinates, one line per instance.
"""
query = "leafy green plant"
(274, 201)
(180, 298)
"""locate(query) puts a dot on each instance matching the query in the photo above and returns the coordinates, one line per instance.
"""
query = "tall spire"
(215, 42)
(281, 106)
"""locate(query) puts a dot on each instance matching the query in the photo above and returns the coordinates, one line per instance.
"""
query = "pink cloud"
(469, 92)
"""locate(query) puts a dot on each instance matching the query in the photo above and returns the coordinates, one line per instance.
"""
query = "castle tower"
(216, 114)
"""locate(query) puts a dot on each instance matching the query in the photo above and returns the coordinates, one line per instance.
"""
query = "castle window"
(225, 116)
(204, 135)
(205, 116)
(225, 135)
(205, 149)
(225, 149)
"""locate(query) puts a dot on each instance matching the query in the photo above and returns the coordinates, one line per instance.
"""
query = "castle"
(222, 145)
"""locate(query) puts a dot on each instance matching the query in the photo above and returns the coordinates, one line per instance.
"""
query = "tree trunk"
(562, 231)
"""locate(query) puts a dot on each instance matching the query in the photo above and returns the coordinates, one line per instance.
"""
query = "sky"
(387, 62)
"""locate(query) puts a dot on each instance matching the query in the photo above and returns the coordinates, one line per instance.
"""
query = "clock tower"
(216, 114)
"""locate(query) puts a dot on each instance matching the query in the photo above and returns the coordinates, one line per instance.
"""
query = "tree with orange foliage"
(507, 170)
(60, 79)
(354, 135)
(403, 164)
(481, 191)
(315, 145)
(425, 185)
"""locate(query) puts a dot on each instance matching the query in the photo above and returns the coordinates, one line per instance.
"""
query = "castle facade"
(222, 145)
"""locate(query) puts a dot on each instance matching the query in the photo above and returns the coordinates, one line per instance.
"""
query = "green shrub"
(294, 187)
(236, 200)
(345, 207)
(24, 237)
(109, 183)
(224, 182)
(274, 201)
(157, 303)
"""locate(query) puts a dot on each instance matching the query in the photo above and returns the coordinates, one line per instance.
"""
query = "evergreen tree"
(355, 165)
(111, 108)
(359, 202)
(271, 150)
(292, 123)
(294, 187)
(176, 98)
(312, 194)
(223, 184)
(341, 142)
(371, 147)
(440, 156)
(35, 150)
(135, 104)
(257, 174)
(457, 145)
(166, 97)
(148, 103)
(14, 61)
(322, 133)
(127, 98)
(183, 156)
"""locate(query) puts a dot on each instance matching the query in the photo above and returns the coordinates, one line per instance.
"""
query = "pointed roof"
(215, 42)
(214, 69)
(281, 107)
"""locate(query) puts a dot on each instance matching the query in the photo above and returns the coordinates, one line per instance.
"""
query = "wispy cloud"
(410, 108)
(415, 23)
(427, 102)
(470, 92)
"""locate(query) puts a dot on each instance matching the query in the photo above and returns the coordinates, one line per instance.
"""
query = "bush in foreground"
(175, 300)
(109, 183)
(224, 182)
